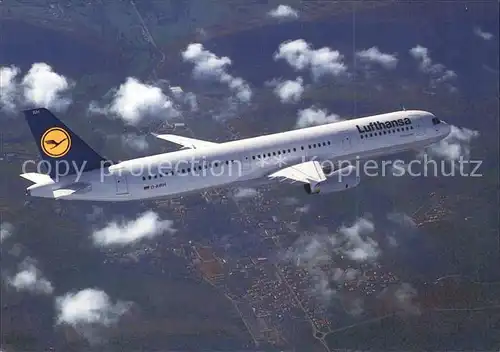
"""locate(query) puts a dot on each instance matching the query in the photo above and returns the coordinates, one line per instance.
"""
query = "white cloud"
(446, 76)
(405, 296)
(401, 219)
(304, 209)
(40, 87)
(29, 278)
(392, 241)
(147, 225)
(97, 213)
(6, 230)
(301, 56)
(134, 99)
(374, 55)
(89, 306)
(438, 72)
(405, 227)
(8, 87)
(313, 116)
(482, 34)
(321, 287)
(207, 65)
(245, 193)
(16, 250)
(311, 252)
(290, 91)
(318, 253)
(354, 306)
(455, 145)
(400, 298)
(227, 109)
(191, 100)
(43, 87)
(350, 274)
(357, 245)
(205, 62)
(135, 141)
(240, 87)
(290, 201)
(186, 98)
(284, 12)
(421, 53)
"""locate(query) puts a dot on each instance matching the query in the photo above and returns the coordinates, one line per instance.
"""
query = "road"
(315, 330)
(149, 38)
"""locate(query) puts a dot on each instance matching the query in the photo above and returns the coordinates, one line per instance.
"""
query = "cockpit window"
(435, 121)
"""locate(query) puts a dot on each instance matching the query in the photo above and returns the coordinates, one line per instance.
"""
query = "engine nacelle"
(339, 180)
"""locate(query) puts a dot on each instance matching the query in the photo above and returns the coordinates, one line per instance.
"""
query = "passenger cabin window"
(388, 131)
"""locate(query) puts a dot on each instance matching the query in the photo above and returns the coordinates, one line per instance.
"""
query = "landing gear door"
(121, 184)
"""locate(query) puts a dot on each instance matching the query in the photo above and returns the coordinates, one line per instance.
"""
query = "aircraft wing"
(187, 143)
(308, 172)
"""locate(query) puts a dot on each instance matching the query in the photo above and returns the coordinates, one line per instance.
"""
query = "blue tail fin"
(63, 150)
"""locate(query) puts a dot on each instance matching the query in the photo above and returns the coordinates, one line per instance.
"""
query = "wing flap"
(308, 172)
(189, 143)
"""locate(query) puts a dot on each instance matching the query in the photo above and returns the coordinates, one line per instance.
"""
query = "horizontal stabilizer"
(189, 143)
(37, 178)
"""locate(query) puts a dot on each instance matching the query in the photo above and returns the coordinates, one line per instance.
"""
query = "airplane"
(77, 172)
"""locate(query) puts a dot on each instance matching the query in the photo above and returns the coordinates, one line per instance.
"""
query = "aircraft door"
(346, 143)
(121, 184)
(246, 164)
(420, 130)
(419, 126)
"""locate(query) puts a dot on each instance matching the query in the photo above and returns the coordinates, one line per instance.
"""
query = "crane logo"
(56, 142)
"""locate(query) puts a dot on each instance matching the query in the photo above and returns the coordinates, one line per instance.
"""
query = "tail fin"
(59, 145)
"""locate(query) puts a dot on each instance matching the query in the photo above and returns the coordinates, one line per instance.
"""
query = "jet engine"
(339, 180)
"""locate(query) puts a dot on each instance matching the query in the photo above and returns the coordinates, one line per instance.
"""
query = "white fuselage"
(254, 158)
